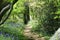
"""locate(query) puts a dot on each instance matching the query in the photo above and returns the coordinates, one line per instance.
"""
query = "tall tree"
(4, 7)
(26, 14)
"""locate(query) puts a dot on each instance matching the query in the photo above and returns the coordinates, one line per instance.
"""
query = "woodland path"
(30, 35)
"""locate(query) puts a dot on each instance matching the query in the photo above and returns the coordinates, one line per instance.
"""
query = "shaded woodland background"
(42, 15)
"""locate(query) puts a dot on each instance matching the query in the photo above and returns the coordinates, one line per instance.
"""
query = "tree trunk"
(26, 14)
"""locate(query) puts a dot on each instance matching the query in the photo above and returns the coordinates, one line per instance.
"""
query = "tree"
(26, 14)
(4, 7)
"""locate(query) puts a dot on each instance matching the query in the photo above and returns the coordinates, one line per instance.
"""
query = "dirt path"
(29, 34)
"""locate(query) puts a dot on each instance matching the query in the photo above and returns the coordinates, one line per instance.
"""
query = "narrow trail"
(29, 34)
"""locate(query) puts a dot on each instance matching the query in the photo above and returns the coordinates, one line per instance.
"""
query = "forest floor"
(31, 35)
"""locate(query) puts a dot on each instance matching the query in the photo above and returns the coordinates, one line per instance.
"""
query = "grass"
(15, 30)
(5, 38)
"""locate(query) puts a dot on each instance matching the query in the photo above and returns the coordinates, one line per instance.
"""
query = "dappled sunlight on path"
(29, 34)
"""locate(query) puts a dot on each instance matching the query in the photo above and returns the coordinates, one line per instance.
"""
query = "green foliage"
(17, 13)
(46, 12)
(14, 29)
(4, 38)
(14, 25)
